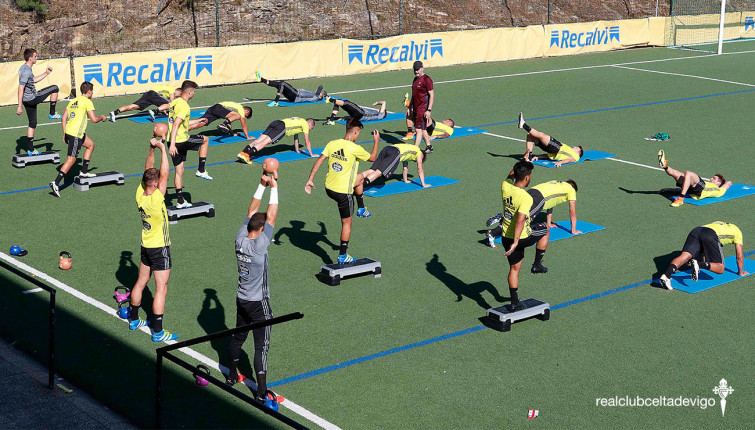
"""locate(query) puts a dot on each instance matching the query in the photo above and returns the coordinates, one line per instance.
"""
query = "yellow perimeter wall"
(60, 76)
(134, 73)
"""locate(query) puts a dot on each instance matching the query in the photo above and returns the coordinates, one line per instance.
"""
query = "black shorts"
(693, 189)
(704, 242)
(355, 111)
(275, 131)
(552, 147)
(537, 203)
(74, 144)
(157, 258)
(430, 128)
(31, 105)
(387, 161)
(151, 98)
(538, 231)
(345, 203)
(192, 144)
(215, 112)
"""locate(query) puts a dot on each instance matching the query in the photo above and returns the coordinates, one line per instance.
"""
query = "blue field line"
(622, 107)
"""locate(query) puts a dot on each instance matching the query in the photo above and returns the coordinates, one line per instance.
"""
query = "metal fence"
(122, 26)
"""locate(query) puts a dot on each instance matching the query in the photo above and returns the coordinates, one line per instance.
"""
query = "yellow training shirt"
(179, 108)
(154, 218)
(343, 162)
(408, 152)
(234, 107)
(515, 201)
(296, 125)
(556, 192)
(78, 116)
(164, 91)
(564, 153)
(441, 129)
(727, 232)
(710, 190)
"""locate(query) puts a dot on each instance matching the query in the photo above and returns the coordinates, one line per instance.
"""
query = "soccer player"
(545, 197)
(441, 130)
(692, 183)
(274, 133)
(253, 295)
(160, 96)
(181, 142)
(230, 112)
(342, 181)
(423, 97)
(388, 159)
(74, 121)
(291, 94)
(704, 249)
(29, 97)
(355, 111)
(556, 151)
(155, 245)
(518, 231)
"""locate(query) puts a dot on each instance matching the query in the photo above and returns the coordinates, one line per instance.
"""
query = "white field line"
(686, 76)
(188, 351)
(33, 290)
(505, 137)
(598, 66)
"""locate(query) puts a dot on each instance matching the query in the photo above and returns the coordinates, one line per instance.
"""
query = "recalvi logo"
(375, 54)
(569, 39)
(116, 74)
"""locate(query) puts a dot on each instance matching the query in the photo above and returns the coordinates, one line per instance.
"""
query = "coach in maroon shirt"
(422, 104)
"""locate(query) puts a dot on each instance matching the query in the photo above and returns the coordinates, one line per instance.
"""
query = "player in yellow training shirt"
(74, 121)
(441, 130)
(342, 180)
(160, 96)
(691, 183)
(155, 249)
(388, 159)
(274, 133)
(518, 231)
(556, 151)
(179, 117)
(704, 249)
(230, 112)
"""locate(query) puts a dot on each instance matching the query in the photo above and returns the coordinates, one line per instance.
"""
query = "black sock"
(277, 98)
(180, 195)
(704, 265)
(202, 161)
(344, 247)
(133, 313)
(52, 107)
(29, 143)
(333, 115)
(117, 111)
(367, 182)
(85, 166)
(408, 129)
(513, 292)
(262, 385)
(526, 127)
(250, 150)
(360, 200)
(671, 270)
(157, 323)
(59, 178)
(263, 80)
(227, 123)
(539, 254)
(319, 90)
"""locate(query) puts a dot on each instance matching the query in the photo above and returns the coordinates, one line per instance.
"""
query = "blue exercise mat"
(458, 132)
(286, 103)
(707, 280)
(389, 117)
(563, 231)
(222, 140)
(589, 155)
(734, 192)
(400, 187)
(163, 118)
(284, 157)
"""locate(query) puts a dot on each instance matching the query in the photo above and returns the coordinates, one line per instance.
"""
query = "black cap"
(417, 65)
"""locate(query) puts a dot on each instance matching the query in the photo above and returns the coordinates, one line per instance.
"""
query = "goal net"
(705, 24)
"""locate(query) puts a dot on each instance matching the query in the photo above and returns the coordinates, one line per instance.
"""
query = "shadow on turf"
(126, 275)
(307, 240)
(21, 145)
(512, 156)
(666, 192)
(113, 372)
(462, 289)
(661, 264)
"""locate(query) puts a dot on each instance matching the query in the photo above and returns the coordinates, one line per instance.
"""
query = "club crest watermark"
(723, 390)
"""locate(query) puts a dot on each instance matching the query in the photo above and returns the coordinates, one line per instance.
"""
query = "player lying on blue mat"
(545, 197)
(229, 112)
(704, 249)
(692, 183)
(275, 132)
(555, 150)
(355, 111)
(291, 94)
(388, 159)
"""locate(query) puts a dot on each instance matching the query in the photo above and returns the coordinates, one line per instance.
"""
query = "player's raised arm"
(272, 206)
(162, 183)
(254, 205)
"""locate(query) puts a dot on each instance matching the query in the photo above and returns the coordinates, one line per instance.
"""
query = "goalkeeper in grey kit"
(253, 296)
